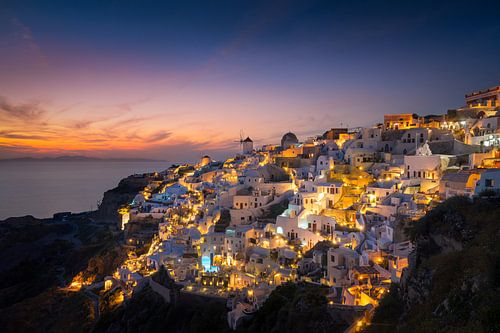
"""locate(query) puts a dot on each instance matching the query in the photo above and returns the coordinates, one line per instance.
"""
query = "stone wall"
(161, 290)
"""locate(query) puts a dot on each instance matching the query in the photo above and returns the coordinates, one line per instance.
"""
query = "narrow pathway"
(95, 299)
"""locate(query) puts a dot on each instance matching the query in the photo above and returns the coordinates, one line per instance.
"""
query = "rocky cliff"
(39, 256)
(124, 193)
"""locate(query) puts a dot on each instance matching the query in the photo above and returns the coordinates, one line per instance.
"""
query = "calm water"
(41, 188)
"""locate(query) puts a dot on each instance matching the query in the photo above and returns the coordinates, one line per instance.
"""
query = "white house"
(212, 246)
(236, 240)
(254, 199)
(378, 191)
(425, 165)
(292, 223)
(490, 180)
(324, 162)
(339, 261)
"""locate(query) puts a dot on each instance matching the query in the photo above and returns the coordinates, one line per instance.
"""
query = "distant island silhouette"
(78, 158)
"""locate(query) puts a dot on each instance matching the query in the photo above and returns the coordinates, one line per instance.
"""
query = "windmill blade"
(241, 137)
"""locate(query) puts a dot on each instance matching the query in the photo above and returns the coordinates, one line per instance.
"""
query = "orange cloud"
(36, 127)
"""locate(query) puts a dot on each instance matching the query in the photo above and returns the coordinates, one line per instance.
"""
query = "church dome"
(289, 139)
(205, 160)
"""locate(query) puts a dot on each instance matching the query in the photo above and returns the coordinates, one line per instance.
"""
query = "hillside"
(453, 283)
(146, 311)
(39, 256)
(299, 308)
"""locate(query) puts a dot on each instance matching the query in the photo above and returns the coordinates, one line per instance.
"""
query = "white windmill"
(246, 145)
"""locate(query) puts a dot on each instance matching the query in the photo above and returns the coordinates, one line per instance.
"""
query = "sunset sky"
(174, 81)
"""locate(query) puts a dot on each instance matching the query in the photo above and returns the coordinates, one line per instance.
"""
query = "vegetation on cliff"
(453, 284)
(298, 308)
(275, 210)
(40, 257)
(50, 311)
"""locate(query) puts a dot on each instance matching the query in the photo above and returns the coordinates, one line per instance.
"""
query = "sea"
(42, 188)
